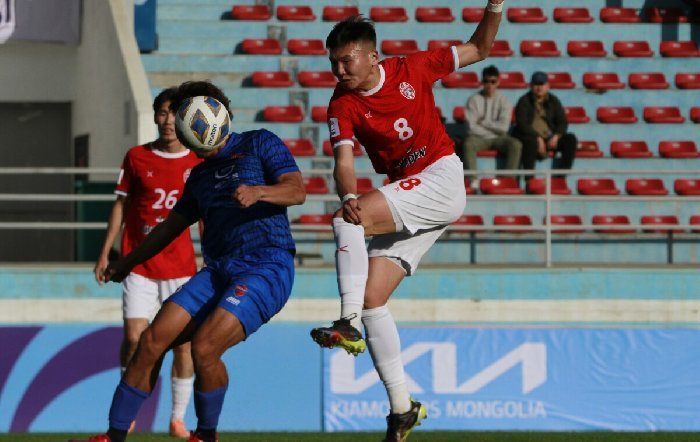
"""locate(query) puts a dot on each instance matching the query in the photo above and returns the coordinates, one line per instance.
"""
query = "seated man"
(488, 121)
(541, 126)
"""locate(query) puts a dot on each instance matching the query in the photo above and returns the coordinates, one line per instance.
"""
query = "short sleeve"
(340, 127)
(274, 155)
(434, 65)
(126, 174)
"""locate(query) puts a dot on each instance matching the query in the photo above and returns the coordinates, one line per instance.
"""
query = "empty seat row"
(303, 147)
(585, 186)
(318, 185)
(441, 14)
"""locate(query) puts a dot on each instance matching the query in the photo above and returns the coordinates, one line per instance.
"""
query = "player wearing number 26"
(151, 181)
(388, 106)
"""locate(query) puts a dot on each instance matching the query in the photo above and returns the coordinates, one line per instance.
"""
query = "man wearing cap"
(541, 127)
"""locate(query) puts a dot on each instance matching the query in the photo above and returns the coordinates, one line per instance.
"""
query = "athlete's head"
(163, 116)
(353, 53)
(196, 89)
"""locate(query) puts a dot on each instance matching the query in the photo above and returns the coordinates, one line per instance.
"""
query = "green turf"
(418, 436)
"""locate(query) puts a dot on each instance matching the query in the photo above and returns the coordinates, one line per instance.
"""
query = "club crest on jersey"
(407, 90)
(186, 174)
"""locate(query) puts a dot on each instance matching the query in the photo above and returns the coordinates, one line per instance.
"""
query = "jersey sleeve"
(340, 127)
(434, 65)
(126, 174)
(275, 156)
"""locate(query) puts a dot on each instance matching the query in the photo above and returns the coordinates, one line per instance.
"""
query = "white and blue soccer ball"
(202, 123)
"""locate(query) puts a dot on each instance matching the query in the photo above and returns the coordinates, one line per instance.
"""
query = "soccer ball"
(202, 123)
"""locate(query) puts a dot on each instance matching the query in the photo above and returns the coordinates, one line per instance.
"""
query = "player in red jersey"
(150, 182)
(389, 107)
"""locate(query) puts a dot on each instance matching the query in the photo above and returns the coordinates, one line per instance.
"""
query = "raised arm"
(479, 45)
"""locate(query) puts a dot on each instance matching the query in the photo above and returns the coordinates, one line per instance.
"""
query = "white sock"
(182, 391)
(385, 348)
(352, 265)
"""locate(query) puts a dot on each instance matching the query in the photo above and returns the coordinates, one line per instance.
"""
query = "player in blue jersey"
(241, 192)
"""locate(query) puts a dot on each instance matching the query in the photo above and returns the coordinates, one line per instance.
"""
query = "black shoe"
(399, 426)
(340, 334)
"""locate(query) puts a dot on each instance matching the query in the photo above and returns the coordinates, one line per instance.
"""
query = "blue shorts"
(253, 287)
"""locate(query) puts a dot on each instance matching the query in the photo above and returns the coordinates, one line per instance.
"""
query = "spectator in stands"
(241, 192)
(151, 180)
(488, 120)
(541, 127)
(389, 107)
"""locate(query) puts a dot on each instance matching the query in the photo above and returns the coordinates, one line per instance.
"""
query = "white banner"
(7, 19)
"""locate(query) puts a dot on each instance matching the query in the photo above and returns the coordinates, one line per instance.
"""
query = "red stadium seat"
(559, 221)
(630, 149)
(271, 79)
(597, 186)
(632, 49)
(438, 44)
(612, 220)
(678, 149)
(300, 147)
(250, 12)
(645, 186)
(338, 13)
(686, 48)
(602, 80)
(461, 80)
(319, 114)
(364, 185)
(655, 220)
(459, 114)
(295, 13)
(304, 46)
(472, 15)
(393, 14)
(616, 114)
(695, 114)
(537, 186)
(526, 15)
(539, 48)
(666, 15)
(688, 80)
(315, 185)
(316, 79)
(399, 47)
(560, 80)
(512, 80)
(572, 15)
(261, 46)
(588, 149)
(576, 115)
(463, 222)
(501, 48)
(328, 148)
(316, 219)
(647, 80)
(686, 187)
(283, 114)
(507, 185)
(619, 15)
(694, 220)
(434, 14)
(589, 48)
(468, 189)
(512, 220)
(663, 114)
(487, 153)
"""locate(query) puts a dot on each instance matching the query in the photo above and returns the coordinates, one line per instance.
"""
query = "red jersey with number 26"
(153, 181)
(396, 121)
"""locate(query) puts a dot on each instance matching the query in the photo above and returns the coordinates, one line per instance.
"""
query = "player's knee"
(204, 352)
(150, 349)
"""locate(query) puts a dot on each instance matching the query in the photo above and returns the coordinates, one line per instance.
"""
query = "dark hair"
(195, 89)
(353, 29)
(163, 96)
(489, 71)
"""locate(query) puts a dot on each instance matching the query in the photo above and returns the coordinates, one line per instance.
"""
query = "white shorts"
(142, 297)
(423, 206)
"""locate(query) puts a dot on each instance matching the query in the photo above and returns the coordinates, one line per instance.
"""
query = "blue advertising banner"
(528, 379)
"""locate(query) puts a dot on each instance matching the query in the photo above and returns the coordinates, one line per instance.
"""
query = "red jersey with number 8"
(396, 121)
(153, 181)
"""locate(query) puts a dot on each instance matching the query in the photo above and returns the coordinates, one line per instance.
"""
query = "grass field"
(425, 436)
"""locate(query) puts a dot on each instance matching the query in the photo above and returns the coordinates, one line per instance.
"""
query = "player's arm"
(479, 45)
(114, 226)
(161, 235)
(288, 191)
(346, 183)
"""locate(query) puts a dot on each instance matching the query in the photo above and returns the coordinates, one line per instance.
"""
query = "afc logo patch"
(407, 90)
(333, 127)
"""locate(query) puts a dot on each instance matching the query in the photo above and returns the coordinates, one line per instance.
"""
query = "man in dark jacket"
(541, 127)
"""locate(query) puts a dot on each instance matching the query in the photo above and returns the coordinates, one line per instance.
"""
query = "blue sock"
(208, 407)
(126, 403)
